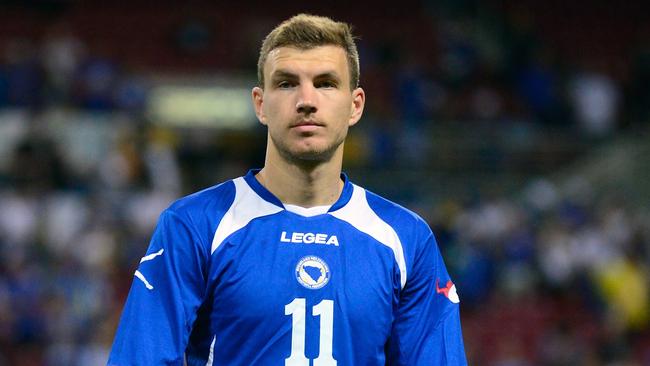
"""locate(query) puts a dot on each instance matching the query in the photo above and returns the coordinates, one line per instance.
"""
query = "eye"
(285, 84)
(328, 84)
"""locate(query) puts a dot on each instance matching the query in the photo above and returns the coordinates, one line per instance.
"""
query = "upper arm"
(426, 326)
(167, 289)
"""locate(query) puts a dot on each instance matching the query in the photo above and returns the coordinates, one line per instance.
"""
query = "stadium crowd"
(552, 273)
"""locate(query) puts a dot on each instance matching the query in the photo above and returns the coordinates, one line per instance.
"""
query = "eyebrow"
(284, 74)
(328, 76)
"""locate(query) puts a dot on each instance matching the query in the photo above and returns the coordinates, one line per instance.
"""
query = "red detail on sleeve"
(444, 290)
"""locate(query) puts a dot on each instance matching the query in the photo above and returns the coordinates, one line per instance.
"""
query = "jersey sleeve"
(426, 328)
(167, 289)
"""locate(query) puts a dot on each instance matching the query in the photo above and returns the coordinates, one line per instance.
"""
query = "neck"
(306, 185)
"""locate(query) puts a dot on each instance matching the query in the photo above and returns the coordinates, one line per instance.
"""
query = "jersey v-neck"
(307, 211)
(265, 194)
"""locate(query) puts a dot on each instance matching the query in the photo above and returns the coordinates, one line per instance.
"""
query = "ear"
(356, 108)
(257, 95)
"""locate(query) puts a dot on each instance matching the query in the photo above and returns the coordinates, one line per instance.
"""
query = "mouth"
(308, 127)
(307, 123)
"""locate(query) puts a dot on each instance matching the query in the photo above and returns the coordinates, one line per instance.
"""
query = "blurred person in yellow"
(624, 285)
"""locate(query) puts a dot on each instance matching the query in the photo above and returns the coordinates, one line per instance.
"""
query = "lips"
(307, 123)
(306, 127)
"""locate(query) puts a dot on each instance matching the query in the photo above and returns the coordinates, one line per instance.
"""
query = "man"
(293, 264)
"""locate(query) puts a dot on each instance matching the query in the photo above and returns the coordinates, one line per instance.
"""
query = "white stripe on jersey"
(246, 207)
(139, 275)
(152, 256)
(211, 355)
(358, 213)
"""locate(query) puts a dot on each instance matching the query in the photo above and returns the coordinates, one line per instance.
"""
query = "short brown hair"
(305, 32)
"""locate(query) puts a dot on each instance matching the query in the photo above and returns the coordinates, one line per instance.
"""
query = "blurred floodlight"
(201, 106)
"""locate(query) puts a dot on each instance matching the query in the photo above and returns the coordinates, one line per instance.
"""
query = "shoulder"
(201, 212)
(213, 200)
(387, 221)
(393, 225)
(403, 220)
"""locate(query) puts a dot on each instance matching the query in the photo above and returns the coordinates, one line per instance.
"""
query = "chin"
(312, 155)
(306, 153)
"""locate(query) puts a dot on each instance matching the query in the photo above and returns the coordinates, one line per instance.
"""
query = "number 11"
(297, 310)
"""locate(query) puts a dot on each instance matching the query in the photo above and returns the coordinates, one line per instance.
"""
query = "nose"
(306, 103)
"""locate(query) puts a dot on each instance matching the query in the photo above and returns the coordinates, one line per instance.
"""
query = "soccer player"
(293, 264)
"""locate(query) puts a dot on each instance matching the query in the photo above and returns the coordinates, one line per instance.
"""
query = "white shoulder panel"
(247, 206)
(358, 213)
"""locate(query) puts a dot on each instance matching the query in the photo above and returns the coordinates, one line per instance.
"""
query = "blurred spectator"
(23, 74)
(417, 96)
(61, 53)
(37, 164)
(459, 58)
(624, 285)
(130, 94)
(539, 84)
(96, 78)
(595, 99)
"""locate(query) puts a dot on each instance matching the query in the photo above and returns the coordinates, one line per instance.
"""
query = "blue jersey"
(232, 277)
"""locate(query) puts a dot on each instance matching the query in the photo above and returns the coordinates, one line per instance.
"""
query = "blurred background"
(517, 129)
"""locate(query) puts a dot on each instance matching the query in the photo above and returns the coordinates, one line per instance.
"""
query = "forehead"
(314, 60)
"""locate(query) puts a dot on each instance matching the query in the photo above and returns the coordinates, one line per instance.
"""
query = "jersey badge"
(312, 272)
(449, 291)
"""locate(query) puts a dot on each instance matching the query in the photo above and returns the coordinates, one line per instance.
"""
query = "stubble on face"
(306, 153)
